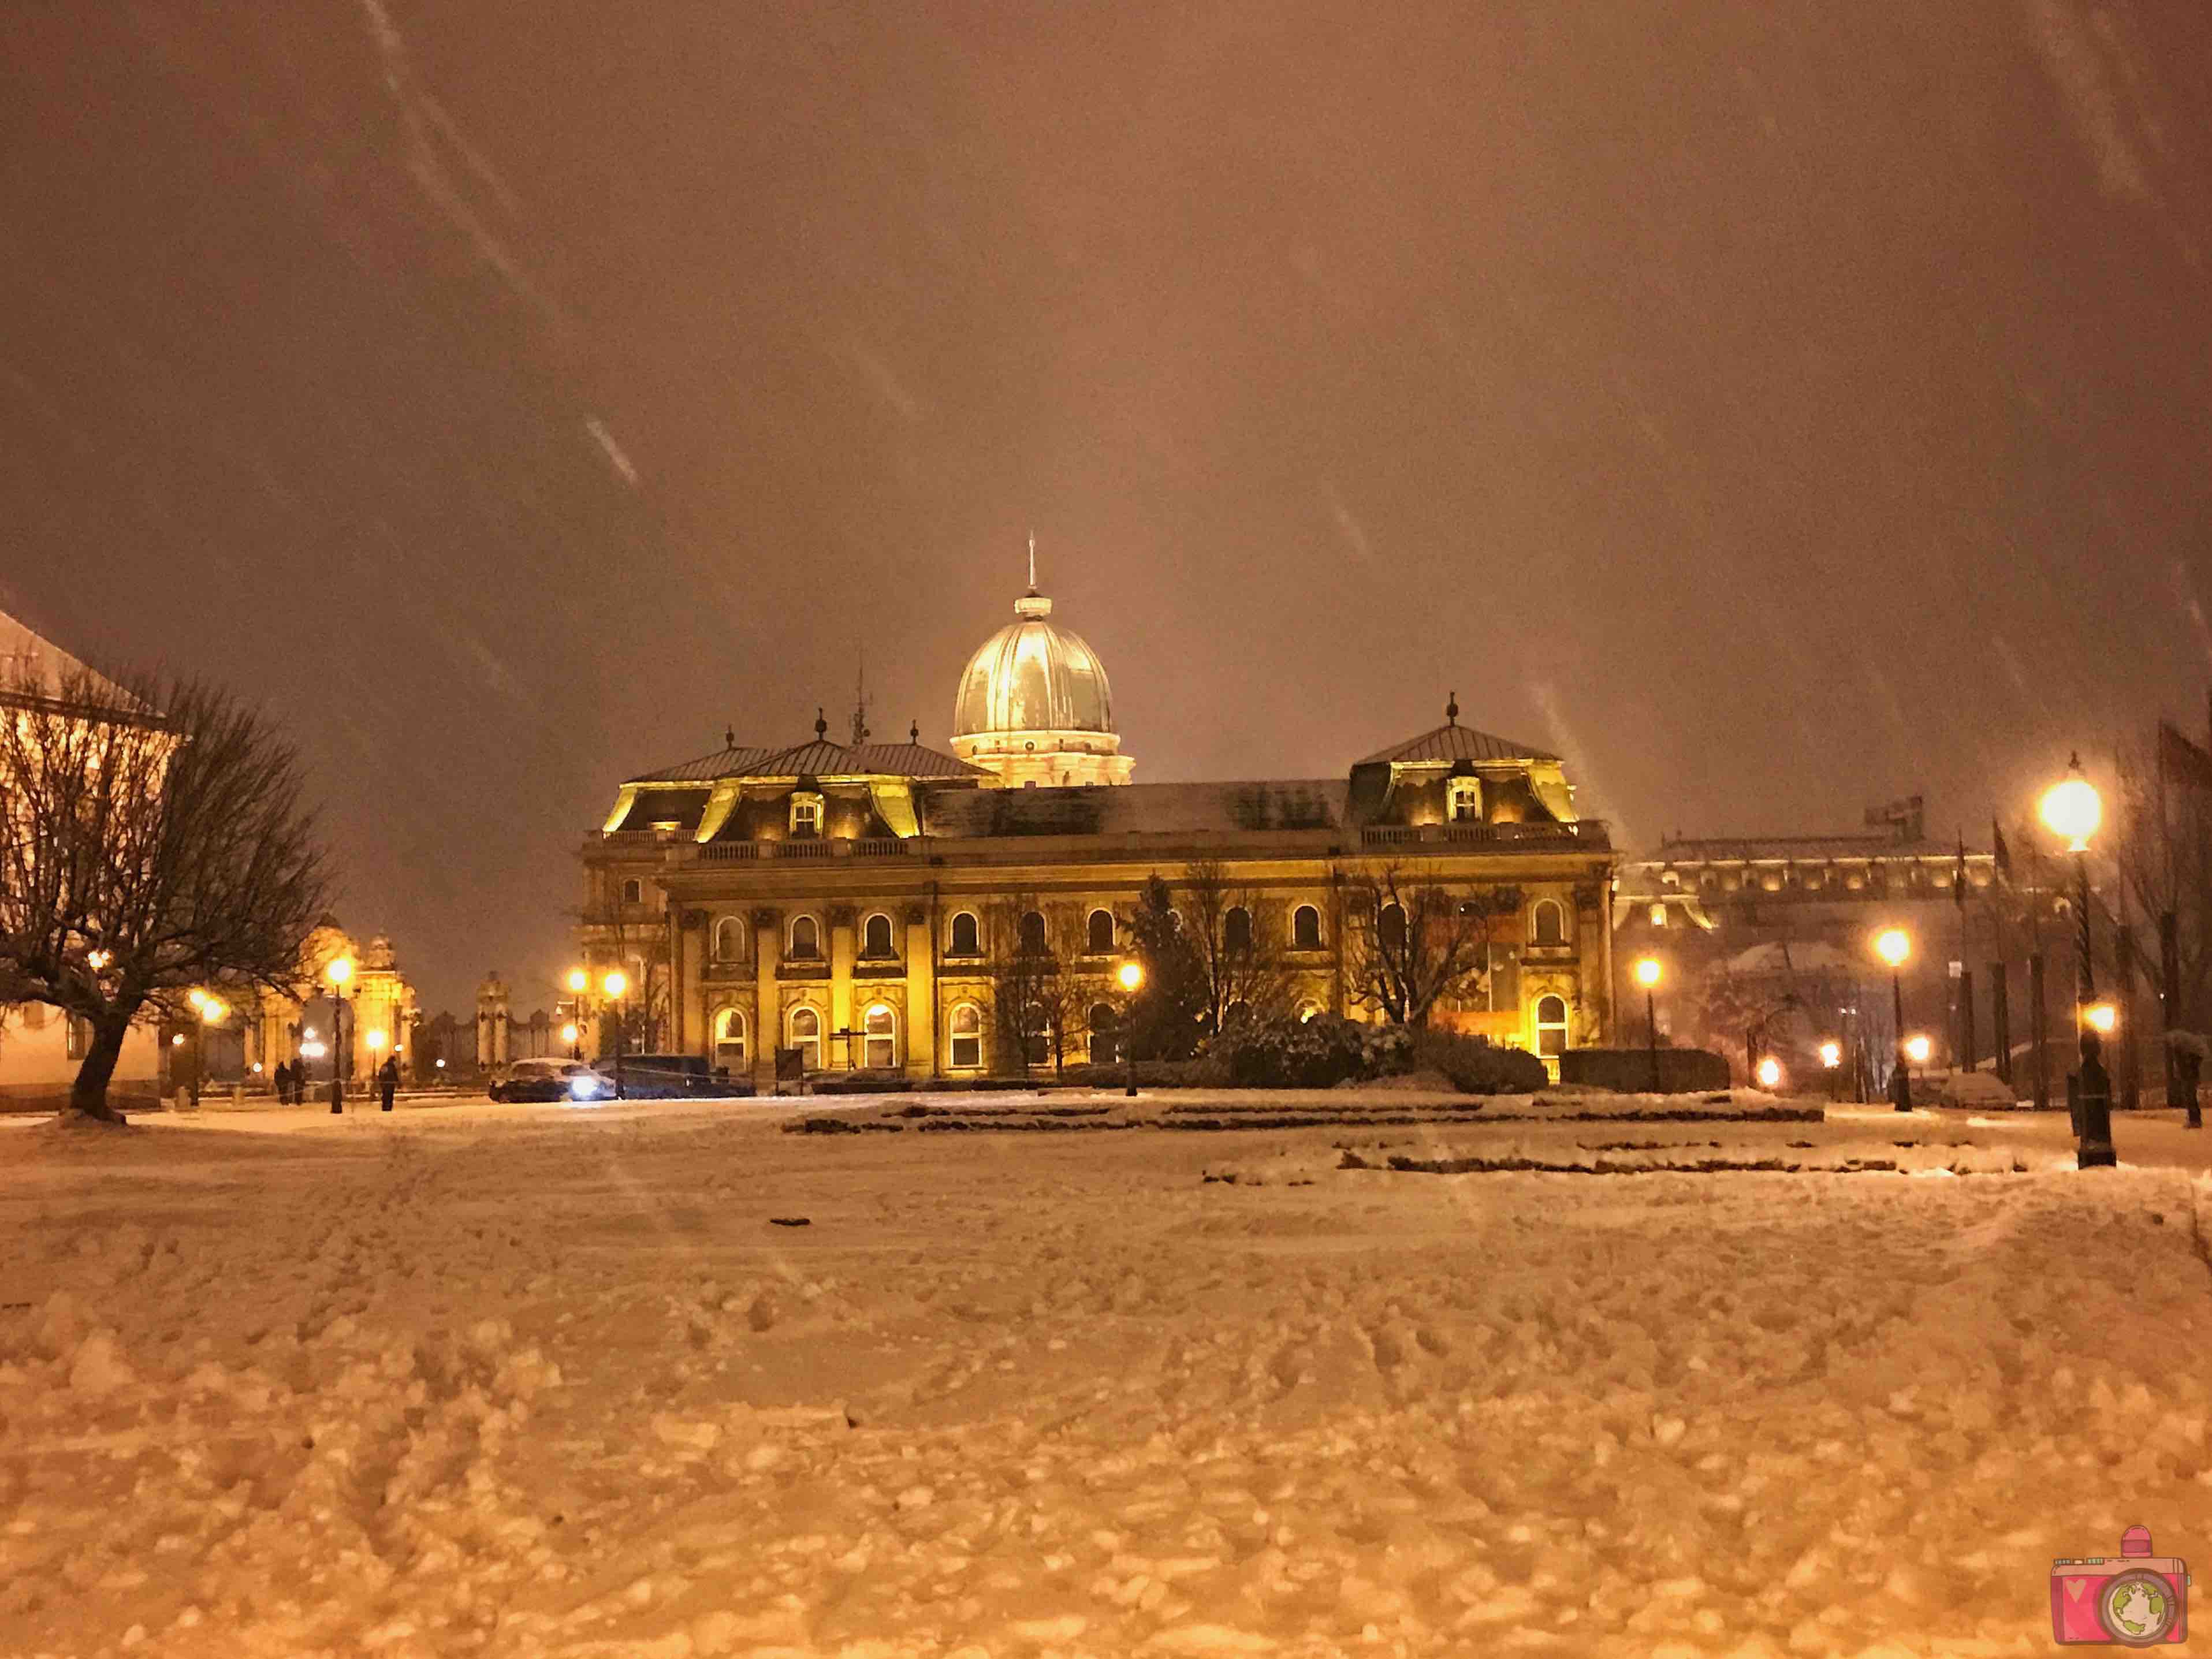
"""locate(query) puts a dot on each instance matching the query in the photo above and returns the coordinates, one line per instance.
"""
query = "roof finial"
(1032, 561)
(914, 733)
(729, 737)
(820, 725)
(1451, 708)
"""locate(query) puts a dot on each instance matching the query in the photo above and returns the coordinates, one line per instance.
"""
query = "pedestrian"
(387, 1078)
(283, 1081)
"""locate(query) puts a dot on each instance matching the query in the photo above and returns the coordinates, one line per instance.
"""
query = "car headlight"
(583, 1088)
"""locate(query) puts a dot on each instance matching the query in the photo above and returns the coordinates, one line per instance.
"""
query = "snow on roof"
(1455, 741)
(1138, 809)
(820, 758)
(1772, 849)
(26, 656)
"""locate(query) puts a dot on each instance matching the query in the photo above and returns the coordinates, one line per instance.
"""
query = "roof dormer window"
(1463, 799)
(805, 814)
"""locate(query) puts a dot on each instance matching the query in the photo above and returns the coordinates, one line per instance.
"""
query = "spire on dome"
(1451, 708)
(1033, 562)
(821, 725)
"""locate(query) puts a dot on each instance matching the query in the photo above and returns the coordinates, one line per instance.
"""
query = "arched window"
(806, 1037)
(729, 939)
(1550, 922)
(729, 1040)
(1104, 1029)
(876, 936)
(967, 936)
(1305, 928)
(1308, 1013)
(1034, 942)
(1390, 927)
(967, 1035)
(879, 1038)
(1550, 1027)
(1100, 942)
(1236, 930)
(633, 891)
(806, 940)
(1037, 1034)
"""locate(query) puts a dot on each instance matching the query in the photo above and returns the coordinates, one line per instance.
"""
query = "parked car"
(552, 1079)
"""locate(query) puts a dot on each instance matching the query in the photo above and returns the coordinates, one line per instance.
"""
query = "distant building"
(855, 902)
(1767, 941)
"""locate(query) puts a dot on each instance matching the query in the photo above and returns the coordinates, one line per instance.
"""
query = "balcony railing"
(1584, 832)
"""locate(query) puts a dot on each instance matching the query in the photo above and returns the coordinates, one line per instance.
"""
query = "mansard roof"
(820, 758)
(1137, 809)
(1773, 849)
(1453, 742)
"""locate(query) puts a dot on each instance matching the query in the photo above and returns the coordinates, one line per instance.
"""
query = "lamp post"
(616, 984)
(211, 1013)
(2072, 809)
(1832, 1058)
(573, 1034)
(1131, 974)
(1648, 975)
(339, 972)
(1893, 945)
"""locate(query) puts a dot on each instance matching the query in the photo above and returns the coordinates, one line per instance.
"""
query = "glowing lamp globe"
(1770, 1072)
(377, 1040)
(1648, 971)
(1831, 1055)
(1917, 1049)
(580, 981)
(339, 971)
(1893, 945)
(196, 997)
(568, 1033)
(212, 1012)
(2073, 809)
(616, 984)
(2102, 1017)
(1131, 975)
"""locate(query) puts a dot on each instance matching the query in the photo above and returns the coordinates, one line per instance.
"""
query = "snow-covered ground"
(526, 1381)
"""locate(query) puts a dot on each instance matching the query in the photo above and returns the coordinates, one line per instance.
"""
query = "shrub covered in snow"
(1313, 1053)
(1476, 1065)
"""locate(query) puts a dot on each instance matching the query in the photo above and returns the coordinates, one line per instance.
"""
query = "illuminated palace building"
(865, 904)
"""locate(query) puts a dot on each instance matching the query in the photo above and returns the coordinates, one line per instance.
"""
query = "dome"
(1034, 706)
(1032, 676)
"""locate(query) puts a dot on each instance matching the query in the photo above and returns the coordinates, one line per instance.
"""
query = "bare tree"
(1413, 941)
(1037, 1003)
(152, 840)
(1243, 962)
(2163, 848)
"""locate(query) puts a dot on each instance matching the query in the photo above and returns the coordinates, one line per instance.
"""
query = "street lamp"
(1131, 974)
(1893, 945)
(1647, 973)
(1917, 1048)
(2101, 1017)
(1769, 1074)
(212, 1012)
(2073, 811)
(616, 984)
(339, 972)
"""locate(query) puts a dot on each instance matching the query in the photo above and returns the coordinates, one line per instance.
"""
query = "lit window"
(806, 1037)
(876, 936)
(1550, 1027)
(1658, 915)
(879, 1039)
(729, 939)
(967, 936)
(1102, 932)
(1465, 796)
(805, 814)
(806, 940)
(729, 1040)
(1305, 928)
(967, 1035)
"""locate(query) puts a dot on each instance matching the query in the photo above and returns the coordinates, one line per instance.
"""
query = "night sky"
(1774, 406)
